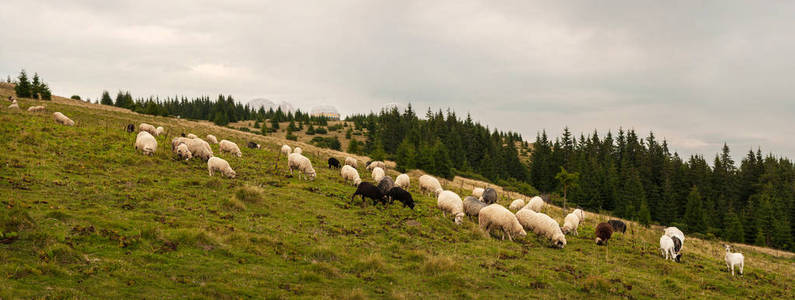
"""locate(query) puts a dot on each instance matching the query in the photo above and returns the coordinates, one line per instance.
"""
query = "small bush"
(321, 130)
(291, 137)
(245, 129)
(249, 194)
(233, 204)
(438, 264)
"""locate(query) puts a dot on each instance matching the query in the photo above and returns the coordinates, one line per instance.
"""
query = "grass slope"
(96, 219)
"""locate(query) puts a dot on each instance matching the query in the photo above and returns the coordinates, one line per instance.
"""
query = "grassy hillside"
(95, 219)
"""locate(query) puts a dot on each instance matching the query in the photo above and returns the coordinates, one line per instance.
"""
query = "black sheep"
(386, 184)
(489, 196)
(677, 248)
(618, 226)
(130, 128)
(333, 163)
(603, 233)
(366, 189)
(253, 145)
(399, 194)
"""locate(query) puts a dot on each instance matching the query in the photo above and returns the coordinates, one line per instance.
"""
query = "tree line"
(26, 88)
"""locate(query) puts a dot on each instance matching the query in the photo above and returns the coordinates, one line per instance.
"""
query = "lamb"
(350, 174)
(198, 147)
(376, 164)
(191, 136)
(182, 151)
(734, 259)
(350, 161)
(572, 221)
(219, 164)
(130, 128)
(541, 224)
(516, 205)
(333, 163)
(252, 145)
(450, 202)
(302, 164)
(63, 119)
(477, 192)
(386, 184)
(366, 189)
(669, 247)
(286, 150)
(399, 194)
(229, 146)
(298, 150)
(403, 181)
(36, 108)
(603, 233)
(618, 226)
(489, 196)
(378, 173)
(148, 128)
(159, 130)
(146, 143)
(472, 206)
(429, 184)
(497, 216)
(535, 204)
(212, 139)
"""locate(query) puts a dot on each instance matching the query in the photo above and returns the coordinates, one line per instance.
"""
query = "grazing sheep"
(603, 233)
(618, 226)
(333, 163)
(36, 108)
(298, 150)
(429, 184)
(219, 164)
(516, 205)
(669, 247)
(378, 173)
(376, 164)
(350, 161)
(385, 184)
(252, 145)
(146, 143)
(489, 196)
(14, 105)
(366, 189)
(572, 221)
(302, 164)
(229, 146)
(182, 151)
(63, 119)
(212, 139)
(148, 128)
(286, 150)
(403, 181)
(477, 192)
(472, 206)
(399, 194)
(191, 136)
(497, 216)
(350, 174)
(541, 224)
(734, 259)
(675, 232)
(535, 204)
(159, 130)
(130, 128)
(198, 147)
(450, 202)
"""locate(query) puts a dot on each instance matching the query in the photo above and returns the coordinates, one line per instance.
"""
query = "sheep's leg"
(575, 232)
(509, 234)
(732, 270)
(741, 268)
(211, 172)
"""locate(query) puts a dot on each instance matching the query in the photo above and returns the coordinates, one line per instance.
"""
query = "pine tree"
(644, 215)
(567, 180)
(405, 156)
(106, 100)
(442, 164)
(35, 87)
(274, 123)
(734, 228)
(694, 213)
(353, 147)
(23, 88)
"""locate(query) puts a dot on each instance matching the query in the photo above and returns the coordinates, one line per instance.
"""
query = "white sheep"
(497, 216)
(219, 164)
(572, 221)
(229, 146)
(450, 202)
(477, 192)
(63, 119)
(198, 147)
(541, 224)
(286, 150)
(302, 164)
(146, 142)
(148, 128)
(675, 232)
(376, 164)
(298, 150)
(403, 181)
(182, 151)
(516, 205)
(14, 105)
(212, 139)
(429, 184)
(191, 136)
(350, 161)
(667, 247)
(378, 173)
(535, 204)
(734, 259)
(350, 174)
(36, 108)
(159, 130)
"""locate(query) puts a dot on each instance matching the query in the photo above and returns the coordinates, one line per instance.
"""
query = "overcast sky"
(697, 73)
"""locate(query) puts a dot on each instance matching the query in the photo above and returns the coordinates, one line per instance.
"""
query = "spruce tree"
(734, 228)
(644, 215)
(694, 214)
(405, 156)
(353, 147)
(442, 164)
(35, 87)
(106, 100)
(23, 88)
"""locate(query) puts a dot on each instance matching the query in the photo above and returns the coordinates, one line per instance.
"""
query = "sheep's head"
(565, 229)
(459, 218)
(357, 181)
(599, 241)
(581, 214)
(230, 173)
(519, 230)
(437, 192)
(728, 248)
(311, 174)
(560, 240)
(678, 258)
(238, 154)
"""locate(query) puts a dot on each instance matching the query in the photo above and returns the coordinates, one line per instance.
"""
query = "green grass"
(96, 219)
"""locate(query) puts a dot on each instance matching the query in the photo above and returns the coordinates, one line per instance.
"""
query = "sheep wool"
(350, 174)
(146, 142)
(302, 164)
(675, 232)
(572, 221)
(229, 146)
(430, 184)
(220, 165)
(376, 164)
(489, 196)
(350, 161)
(477, 192)
(499, 217)
(535, 204)
(191, 136)
(403, 181)
(378, 174)
(182, 151)
(198, 147)
(541, 224)
(516, 205)
(62, 119)
(212, 139)
(148, 128)
(603, 233)
(450, 202)
(286, 150)
(36, 108)
(734, 259)
(298, 150)
(14, 105)
(159, 130)
(472, 206)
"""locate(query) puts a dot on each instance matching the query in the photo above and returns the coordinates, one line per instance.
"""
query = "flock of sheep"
(481, 204)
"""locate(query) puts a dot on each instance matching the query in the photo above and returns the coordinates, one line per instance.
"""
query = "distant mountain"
(324, 109)
(261, 102)
(286, 107)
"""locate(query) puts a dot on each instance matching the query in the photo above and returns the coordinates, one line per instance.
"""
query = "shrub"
(291, 137)
(321, 130)
(245, 129)
(249, 194)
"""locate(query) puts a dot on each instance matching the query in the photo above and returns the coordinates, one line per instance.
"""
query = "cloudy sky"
(698, 73)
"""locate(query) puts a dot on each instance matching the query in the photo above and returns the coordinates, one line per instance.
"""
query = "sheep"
(148, 128)
(376, 164)
(489, 196)
(450, 202)
(302, 164)
(399, 194)
(403, 181)
(198, 147)
(182, 151)
(675, 232)
(159, 130)
(191, 136)
(378, 173)
(146, 143)
(477, 192)
(366, 189)
(733, 259)
(63, 119)
(14, 105)
(429, 184)
(229, 146)
(212, 139)
(298, 150)
(603, 233)
(350, 161)
(541, 224)
(252, 145)
(516, 205)
(535, 204)
(618, 226)
(669, 247)
(333, 163)
(286, 150)
(36, 108)
(497, 216)
(572, 221)
(386, 184)
(350, 174)
(472, 206)
(219, 164)
(130, 128)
